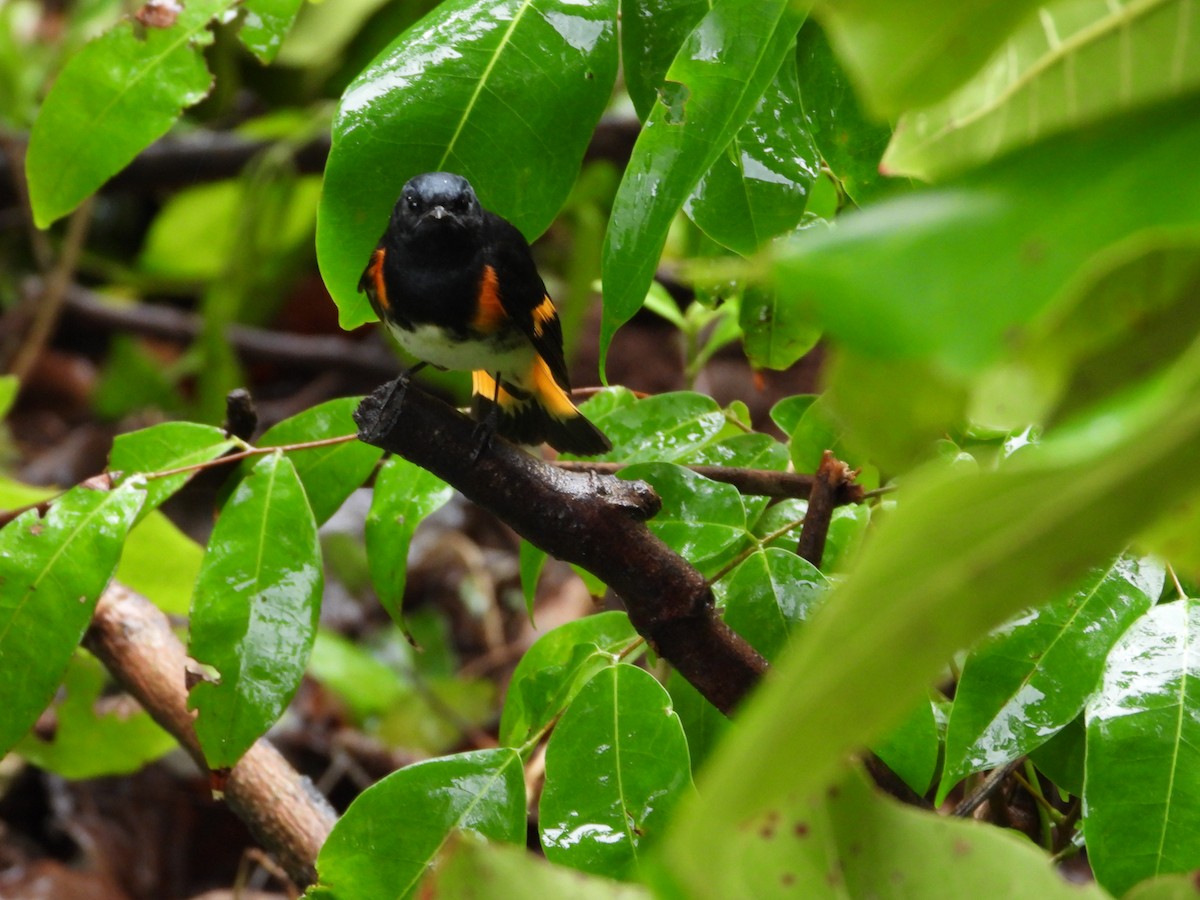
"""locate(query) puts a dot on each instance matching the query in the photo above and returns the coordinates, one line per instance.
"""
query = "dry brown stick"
(758, 482)
(282, 809)
(832, 478)
(593, 520)
(309, 351)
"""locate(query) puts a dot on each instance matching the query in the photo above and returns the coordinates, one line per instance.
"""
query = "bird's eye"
(412, 202)
(461, 204)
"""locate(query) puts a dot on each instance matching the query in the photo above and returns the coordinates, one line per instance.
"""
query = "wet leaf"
(115, 97)
(329, 474)
(769, 595)
(758, 188)
(404, 495)
(1142, 781)
(53, 569)
(701, 520)
(652, 32)
(170, 445)
(911, 749)
(697, 115)
(390, 836)
(1032, 676)
(444, 96)
(1066, 67)
(663, 428)
(265, 23)
(96, 736)
(254, 612)
(553, 670)
(775, 334)
(616, 764)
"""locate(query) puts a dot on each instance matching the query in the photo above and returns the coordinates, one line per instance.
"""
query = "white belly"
(430, 343)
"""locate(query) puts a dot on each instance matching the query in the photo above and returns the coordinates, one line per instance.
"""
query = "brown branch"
(312, 352)
(593, 520)
(284, 812)
(833, 476)
(990, 785)
(758, 482)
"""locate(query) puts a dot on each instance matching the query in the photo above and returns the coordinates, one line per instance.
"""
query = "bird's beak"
(439, 212)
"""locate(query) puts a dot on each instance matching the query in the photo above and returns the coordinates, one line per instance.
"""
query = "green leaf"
(132, 381)
(9, 386)
(1061, 758)
(553, 670)
(52, 571)
(905, 54)
(265, 23)
(711, 88)
(445, 95)
(404, 495)
(786, 414)
(616, 764)
(964, 551)
(1032, 676)
(254, 613)
(851, 144)
(652, 31)
(1142, 781)
(438, 714)
(513, 873)
(152, 540)
(663, 428)
(1069, 66)
(703, 723)
(911, 749)
(531, 561)
(769, 595)
(96, 735)
(159, 448)
(1165, 887)
(759, 186)
(701, 520)
(329, 474)
(366, 684)
(392, 833)
(114, 98)
(774, 334)
(904, 279)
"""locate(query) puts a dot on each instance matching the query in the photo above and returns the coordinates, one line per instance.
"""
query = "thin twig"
(758, 482)
(990, 785)
(831, 476)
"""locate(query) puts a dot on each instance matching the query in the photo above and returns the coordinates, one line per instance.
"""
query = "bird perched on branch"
(458, 288)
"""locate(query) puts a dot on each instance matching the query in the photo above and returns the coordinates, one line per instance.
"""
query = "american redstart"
(458, 287)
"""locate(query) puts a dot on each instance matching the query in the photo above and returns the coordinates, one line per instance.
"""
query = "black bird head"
(437, 204)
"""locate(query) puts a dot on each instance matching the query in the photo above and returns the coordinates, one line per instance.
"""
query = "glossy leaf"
(711, 88)
(775, 334)
(1070, 65)
(95, 735)
(616, 764)
(329, 474)
(553, 670)
(769, 595)
(404, 495)
(911, 749)
(1142, 781)
(662, 428)
(851, 143)
(392, 833)
(906, 54)
(444, 96)
(1016, 233)
(170, 445)
(759, 186)
(52, 571)
(265, 23)
(512, 873)
(115, 97)
(1033, 675)
(254, 612)
(1005, 540)
(652, 33)
(701, 520)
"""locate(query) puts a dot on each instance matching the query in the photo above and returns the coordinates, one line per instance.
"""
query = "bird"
(457, 286)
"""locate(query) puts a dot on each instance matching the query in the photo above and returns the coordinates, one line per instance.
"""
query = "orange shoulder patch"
(489, 311)
(375, 273)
